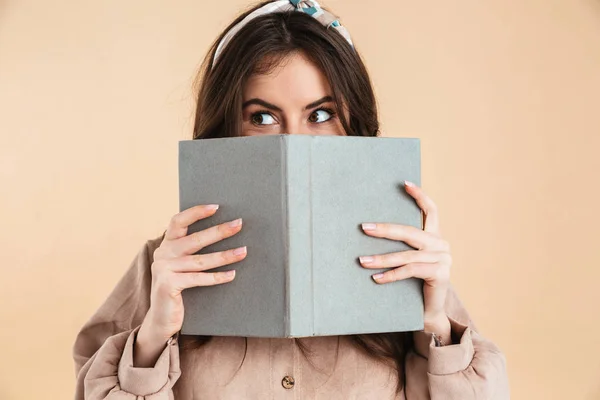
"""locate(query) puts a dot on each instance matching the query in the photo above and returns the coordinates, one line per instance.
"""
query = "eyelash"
(327, 110)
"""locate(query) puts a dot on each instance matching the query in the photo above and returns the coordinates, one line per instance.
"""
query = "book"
(302, 199)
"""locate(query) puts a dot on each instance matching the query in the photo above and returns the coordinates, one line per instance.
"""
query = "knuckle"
(190, 279)
(199, 260)
(408, 256)
(430, 208)
(215, 278)
(221, 230)
(392, 259)
(198, 279)
(442, 273)
(225, 256)
(198, 237)
(176, 220)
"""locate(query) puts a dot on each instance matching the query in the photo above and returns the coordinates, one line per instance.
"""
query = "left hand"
(431, 262)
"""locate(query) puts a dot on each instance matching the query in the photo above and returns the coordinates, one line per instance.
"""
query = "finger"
(204, 262)
(185, 280)
(180, 222)
(196, 241)
(410, 235)
(432, 223)
(415, 270)
(401, 258)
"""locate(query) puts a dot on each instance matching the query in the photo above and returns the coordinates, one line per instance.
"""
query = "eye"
(262, 118)
(321, 115)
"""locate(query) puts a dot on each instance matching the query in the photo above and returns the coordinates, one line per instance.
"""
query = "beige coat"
(335, 369)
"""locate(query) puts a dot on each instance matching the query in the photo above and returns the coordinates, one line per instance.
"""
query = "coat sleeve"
(472, 369)
(103, 348)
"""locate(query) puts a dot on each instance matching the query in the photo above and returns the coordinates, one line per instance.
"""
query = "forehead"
(295, 80)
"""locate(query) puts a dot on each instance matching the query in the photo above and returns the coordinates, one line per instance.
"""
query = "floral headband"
(310, 7)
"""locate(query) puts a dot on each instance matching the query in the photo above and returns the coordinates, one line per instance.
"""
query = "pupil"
(258, 119)
(313, 117)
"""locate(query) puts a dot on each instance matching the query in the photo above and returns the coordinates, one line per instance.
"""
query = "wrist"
(147, 346)
(149, 335)
(440, 327)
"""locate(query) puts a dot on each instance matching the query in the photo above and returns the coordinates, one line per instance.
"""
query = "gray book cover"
(302, 199)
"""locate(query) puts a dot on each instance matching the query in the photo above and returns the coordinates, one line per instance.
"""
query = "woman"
(283, 67)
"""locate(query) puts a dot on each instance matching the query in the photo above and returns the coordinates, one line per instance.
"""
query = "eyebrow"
(260, 102)
(273, 107)
(317, 103)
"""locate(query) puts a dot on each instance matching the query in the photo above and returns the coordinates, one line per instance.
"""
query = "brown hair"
(260, 46)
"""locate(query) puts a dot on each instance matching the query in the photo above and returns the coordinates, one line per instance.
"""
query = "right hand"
(176, 268)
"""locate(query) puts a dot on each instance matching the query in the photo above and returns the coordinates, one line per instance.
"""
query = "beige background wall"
(504, 94)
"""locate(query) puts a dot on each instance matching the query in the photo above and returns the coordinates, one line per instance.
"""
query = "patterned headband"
(310, 7)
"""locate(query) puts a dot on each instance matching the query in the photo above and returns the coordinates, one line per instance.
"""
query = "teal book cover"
(302, 199)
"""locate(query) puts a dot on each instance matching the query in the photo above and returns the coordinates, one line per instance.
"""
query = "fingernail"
(235, 223)
(369, 227)
(239, 251)
(366, 259)
(212, 206)
(230, 274)
(409, 184)
(377, 276)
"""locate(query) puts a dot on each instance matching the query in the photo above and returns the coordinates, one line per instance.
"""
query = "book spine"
(299, 272)
(286, 233)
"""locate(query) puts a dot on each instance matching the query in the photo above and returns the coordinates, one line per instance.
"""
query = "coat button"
(288, 382)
